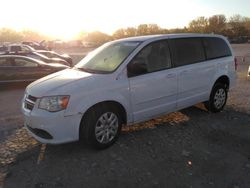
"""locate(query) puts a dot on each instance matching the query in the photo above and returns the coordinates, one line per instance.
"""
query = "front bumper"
(51, 128)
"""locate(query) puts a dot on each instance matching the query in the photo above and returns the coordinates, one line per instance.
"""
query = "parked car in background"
(46, 59)
(3, 49)
(248, 73)
(52, 54)
(15, 68)
(35, 45)
(74, 44)
(129, 81)
(26, 50)
(16, 48)
(89, 44)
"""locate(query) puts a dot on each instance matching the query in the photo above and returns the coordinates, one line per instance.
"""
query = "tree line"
(11, 35)
(236, 27)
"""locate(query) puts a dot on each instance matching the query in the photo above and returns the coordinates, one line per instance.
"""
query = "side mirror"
(137, 67)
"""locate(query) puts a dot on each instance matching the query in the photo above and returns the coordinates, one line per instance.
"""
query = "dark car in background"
(15, 68)
(26, 50)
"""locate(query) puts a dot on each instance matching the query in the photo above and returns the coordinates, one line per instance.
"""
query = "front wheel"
(218, 98)
(101, 126)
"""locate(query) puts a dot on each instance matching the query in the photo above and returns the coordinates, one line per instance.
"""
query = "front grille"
(32, 98)
(29, 102)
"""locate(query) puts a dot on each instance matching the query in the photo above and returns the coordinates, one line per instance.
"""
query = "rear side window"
(186, 51)
(216, 48)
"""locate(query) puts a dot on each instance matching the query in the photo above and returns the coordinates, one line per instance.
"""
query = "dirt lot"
(189, 148)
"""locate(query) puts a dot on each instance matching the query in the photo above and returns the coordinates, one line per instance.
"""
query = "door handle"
(185, 72)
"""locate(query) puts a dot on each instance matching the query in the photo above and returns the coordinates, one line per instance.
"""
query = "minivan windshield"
(107, 57)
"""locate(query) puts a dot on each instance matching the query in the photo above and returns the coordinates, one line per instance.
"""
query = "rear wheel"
(101, 126)
(218, 98)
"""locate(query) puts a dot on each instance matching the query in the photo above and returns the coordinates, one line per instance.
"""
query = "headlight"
(53, 103)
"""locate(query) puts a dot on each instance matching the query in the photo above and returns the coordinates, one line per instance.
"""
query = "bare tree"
(29, 35)
(120, 33)
(199, 25)
(131, 31)
(98, 37)
(10, 35)
(237, 25)
(217, 24)
(142, 29)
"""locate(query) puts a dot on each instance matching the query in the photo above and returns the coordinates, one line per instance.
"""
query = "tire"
(218, 98)
(101, 126)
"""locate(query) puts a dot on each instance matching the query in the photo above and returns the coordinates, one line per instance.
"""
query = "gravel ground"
(189, 148)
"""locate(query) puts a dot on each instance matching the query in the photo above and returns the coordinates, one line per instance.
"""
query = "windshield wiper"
(85, 70)
(91, 70)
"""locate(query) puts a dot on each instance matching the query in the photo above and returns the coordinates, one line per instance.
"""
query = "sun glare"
(108, 16)
(65, 19)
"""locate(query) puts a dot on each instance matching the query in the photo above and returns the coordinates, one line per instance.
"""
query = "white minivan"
(128, 81)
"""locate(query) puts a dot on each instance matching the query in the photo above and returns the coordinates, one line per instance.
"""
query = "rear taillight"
(235, 63)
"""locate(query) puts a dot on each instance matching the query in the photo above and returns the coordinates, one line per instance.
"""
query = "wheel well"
(224, 80)
(115, 104)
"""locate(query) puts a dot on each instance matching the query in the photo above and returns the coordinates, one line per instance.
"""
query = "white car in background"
(248, 72)
(128, 81)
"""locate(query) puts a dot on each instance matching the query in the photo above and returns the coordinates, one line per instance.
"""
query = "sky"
(66, 18)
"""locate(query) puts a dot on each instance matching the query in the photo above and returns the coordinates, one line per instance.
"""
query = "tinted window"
(153, 57)
(5, 62)
(15, 48)
(186, 51)
(25, 63)
(216, 47)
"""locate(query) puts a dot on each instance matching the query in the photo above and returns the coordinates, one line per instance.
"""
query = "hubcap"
(106, 127)
(219, 98)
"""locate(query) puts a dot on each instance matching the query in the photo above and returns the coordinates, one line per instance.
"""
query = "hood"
(52, 82)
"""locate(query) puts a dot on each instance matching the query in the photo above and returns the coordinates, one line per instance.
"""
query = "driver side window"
(154, 57)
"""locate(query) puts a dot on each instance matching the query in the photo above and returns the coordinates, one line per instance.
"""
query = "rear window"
(216, 48)
(186, 51)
